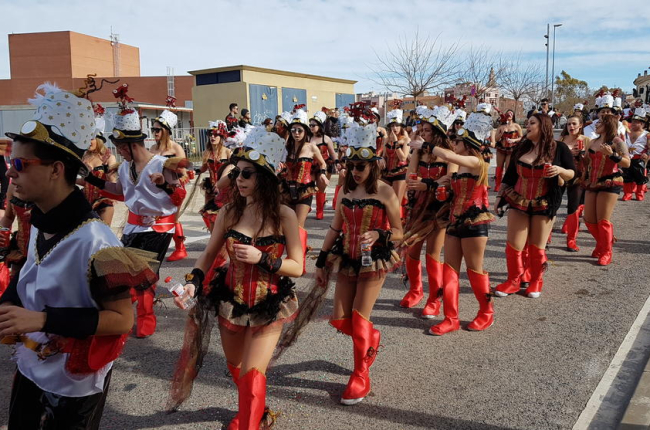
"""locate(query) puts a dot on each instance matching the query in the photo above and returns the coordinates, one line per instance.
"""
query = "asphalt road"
(535, 368)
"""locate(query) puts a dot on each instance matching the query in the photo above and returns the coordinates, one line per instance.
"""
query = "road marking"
(197, 238)
(596, 400)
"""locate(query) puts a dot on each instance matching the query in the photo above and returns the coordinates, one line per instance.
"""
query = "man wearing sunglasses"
(68, 313)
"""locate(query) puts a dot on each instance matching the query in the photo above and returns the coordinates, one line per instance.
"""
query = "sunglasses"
(246, 174)
(156, 129)
(297, 130)
(20, 164)
(359, 167)
(313, 125)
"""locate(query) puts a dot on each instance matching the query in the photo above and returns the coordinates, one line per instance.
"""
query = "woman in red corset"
(216, 160)
(467, 232)
(99, 161)
(366, 221)
(424, 222)
(298, 186)
(254, 297)
(532, 188)
(603, 181)
(576, 141)
(326, 148)
(395, 153)
(507, 137)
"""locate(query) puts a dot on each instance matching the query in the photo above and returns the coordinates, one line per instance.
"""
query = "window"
(218, 77)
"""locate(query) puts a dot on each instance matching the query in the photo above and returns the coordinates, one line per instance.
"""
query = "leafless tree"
(520, 80)
(413, 67)
(482, 69)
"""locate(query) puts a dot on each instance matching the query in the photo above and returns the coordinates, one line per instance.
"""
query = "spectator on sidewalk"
(245, 118)
(231, 118)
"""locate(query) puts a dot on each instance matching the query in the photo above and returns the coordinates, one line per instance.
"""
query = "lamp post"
(546, 80)
(553, 66)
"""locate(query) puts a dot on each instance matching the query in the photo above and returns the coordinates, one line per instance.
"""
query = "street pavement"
(544, 364)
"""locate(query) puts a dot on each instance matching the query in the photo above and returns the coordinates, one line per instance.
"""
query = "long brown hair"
(292, 152)
(370, 183)
(611, 127)
(165, 140)
(546, 143)
(266, 196)
(485, 164)
(440, 140)
(216, 153)
(565, 130)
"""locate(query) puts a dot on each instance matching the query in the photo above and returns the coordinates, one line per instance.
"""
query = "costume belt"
(43, 350)
(159, 224)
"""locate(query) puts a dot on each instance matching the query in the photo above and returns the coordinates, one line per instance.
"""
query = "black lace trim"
(268, 309)
(362, 203)
(470, 214)
(464, 175)
(100, 168)
(434, 164)
(530, 166)
(260, 241)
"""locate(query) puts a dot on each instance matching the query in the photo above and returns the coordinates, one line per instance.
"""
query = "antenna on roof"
(115, 43)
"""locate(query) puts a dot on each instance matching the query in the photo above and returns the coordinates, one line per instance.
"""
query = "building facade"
(265, 92)
(642, 87)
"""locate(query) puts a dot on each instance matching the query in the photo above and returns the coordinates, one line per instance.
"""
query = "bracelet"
(322, 259)
(78, 323)
(335, 230)
(165, 187)
(323, 171)
(196, 278)
(95, 181)
(269, 264)
(384, 236)
(431, 184)
(615, 158)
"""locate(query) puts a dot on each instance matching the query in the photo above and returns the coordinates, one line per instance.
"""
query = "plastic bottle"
(366, 258)
(178, 290)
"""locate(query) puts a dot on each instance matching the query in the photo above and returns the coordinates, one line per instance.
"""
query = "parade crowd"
(409, 185)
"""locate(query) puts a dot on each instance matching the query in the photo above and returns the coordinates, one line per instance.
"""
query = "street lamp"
(553, 66)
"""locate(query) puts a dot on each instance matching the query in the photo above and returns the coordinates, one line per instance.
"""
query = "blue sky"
(597, 42)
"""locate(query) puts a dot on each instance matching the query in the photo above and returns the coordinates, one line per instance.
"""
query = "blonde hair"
(100, 148)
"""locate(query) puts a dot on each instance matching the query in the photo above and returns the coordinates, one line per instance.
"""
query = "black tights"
(575, 196)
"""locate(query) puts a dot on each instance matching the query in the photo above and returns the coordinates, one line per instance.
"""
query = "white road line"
(596, 400)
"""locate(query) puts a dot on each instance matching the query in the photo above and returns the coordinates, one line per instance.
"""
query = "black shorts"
(149, 241)
(614, 190)
(391, 179)
(467, 231)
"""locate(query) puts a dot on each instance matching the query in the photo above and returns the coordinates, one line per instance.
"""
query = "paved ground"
(536, 368)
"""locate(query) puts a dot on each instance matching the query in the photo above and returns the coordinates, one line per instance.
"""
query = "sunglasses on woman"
(246, 174)
(297, 130)
(20, 164)
(156, 129)
(359, 167)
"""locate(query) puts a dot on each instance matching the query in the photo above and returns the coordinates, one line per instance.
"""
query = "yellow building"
(265, 92)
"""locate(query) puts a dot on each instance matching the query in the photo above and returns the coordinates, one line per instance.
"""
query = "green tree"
(569, 91)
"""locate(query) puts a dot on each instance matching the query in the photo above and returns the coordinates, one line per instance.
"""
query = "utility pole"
(553, 66)
(115, 43)
(546, 36)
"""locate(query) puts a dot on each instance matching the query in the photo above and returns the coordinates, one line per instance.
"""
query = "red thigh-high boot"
(525, 257)
(593, 229)
(480, 283)
(336, 196)
(434, 272)
(320, 204)
(365, 339)
(180, 252)
(303, 242)
(146, 319)
(564, 228)
(515, 265)
(606, 230)
(252, 399)
(628, 190)
(344, 325)
(415, 292)
(498, 175)
(537, 266)
(572, 226)
(638, 191)
(234, 372)
(450, 291)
